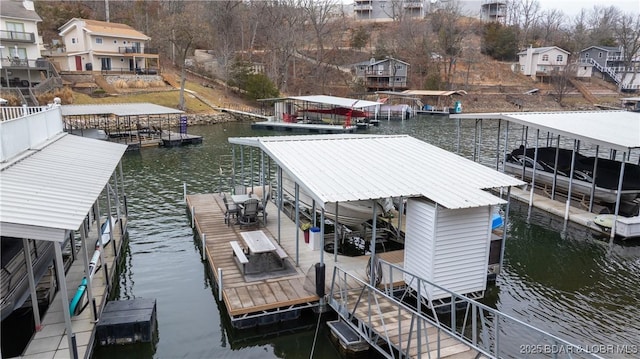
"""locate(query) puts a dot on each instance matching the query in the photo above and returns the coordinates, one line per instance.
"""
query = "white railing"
(21, 132)
(482, 328)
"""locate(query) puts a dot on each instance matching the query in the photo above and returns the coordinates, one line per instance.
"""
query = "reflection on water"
(565, 282)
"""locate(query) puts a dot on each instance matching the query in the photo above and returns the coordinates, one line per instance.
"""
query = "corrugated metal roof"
(118, 109)
(54, 189)
(615, 129)
(337, 168)
(336, 101)
(113, 29)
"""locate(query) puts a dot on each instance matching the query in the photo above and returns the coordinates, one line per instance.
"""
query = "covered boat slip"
(134, 124)
(59, 187)
(613, 136)
(453, 188)
(432, 102)
(322, 109)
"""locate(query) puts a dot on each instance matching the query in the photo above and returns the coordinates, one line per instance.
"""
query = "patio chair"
(249, 214)
(240, 189)
(231, 210)
(262, 213)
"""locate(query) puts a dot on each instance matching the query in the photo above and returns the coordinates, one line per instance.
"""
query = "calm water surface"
(564, 281)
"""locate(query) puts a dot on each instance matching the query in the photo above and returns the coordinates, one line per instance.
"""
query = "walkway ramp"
(584, 91)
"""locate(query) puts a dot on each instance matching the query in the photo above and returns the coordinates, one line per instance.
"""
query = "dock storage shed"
(449, 247)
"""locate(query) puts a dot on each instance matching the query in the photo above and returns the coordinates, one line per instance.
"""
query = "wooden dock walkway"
(388, 320)
(303, 127)
(51, 341)
(244, 297)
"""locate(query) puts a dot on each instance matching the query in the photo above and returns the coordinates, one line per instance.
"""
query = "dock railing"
(482, 328)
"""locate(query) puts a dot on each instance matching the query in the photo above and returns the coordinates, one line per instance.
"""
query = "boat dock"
(51, 341)
(266, 300)
(303, 127)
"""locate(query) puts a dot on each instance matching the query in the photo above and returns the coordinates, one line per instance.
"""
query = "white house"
(542, 61)
(105, 46)
(20, 45)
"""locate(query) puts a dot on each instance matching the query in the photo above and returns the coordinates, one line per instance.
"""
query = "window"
(98, 40)
(115, 41)
(559, 58)
(73, 40)
(17, 31)
(599, 55)
(586, 55)
(545, 57)
(124, 42)
(105, 63)
(398, 67)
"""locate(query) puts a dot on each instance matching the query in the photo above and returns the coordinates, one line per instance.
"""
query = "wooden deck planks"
(239, 296)
(242, 298)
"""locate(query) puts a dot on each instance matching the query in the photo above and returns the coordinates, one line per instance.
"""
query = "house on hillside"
(609, 62)
(540, 62)
(22, 65)
(105, 46)
(393, 10)
(388, 74)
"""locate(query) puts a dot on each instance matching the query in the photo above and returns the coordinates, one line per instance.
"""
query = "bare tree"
(224, 17)
(550, 24)
(450, 30)
(529, 11)
(579, 32)
(184, 30)
(561, 78)
(280, 32)
(319, 14)
(627, 31)
(601, 22)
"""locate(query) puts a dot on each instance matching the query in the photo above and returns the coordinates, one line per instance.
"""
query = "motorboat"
(547, 168)
(14, 281)
(351, 214)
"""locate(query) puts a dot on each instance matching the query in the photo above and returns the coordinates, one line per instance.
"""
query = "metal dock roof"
(337, 168)
(616, 129)
(335, 101)
(52, 190)
(118, 109)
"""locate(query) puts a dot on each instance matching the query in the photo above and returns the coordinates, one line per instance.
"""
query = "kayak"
(80, 296)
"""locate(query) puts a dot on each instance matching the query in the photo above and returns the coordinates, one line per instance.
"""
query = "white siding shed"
(447, 247)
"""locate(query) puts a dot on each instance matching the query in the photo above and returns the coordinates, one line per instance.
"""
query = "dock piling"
(220, 284)
(204, 247)
(184, 192)
(193, 217)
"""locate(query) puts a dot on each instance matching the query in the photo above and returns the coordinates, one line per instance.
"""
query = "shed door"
(78, 63)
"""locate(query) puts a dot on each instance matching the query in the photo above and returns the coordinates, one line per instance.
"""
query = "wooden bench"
(280, 252)
(239, 256)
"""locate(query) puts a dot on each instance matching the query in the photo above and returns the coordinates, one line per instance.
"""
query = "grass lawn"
(162, 98)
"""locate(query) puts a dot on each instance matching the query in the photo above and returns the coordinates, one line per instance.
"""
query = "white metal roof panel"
(337, 168)
(118, 109)
(55, 187)
(616, 129)
(336, 101)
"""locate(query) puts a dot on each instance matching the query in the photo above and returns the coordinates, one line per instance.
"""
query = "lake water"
(566, 282)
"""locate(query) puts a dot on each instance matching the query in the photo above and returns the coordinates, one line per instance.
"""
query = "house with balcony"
(388, 74)
(541, 62)
(91, 45)
(23, 72)
(381, 10)
(610, 63)
(493, 10)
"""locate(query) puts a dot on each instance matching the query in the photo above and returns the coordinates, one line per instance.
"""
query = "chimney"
(28, 4)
